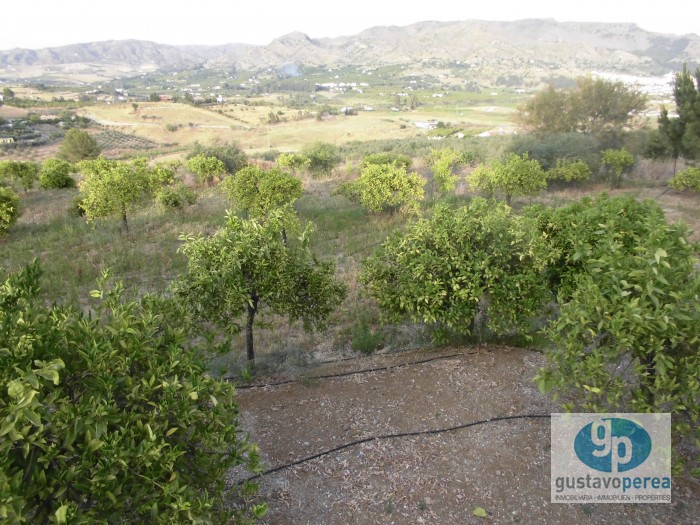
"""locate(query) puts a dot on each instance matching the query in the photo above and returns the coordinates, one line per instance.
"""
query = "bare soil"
(502, 467)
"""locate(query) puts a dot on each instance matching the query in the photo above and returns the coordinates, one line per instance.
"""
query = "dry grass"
(248, 125)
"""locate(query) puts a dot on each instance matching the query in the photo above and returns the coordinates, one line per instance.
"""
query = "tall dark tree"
(671, 132)
(682, 133)
(78, 145)
(595, 106)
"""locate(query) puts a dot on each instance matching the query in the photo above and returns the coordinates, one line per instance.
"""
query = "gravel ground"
(501, 467)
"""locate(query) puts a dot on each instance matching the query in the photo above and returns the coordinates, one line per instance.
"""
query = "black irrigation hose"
(352, 373)
(663, 192)
(393, 436)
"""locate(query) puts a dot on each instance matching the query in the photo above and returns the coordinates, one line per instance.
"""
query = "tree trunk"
(508, 197)
(252, 309)
(124, 221)
(650, 378)
(284, 238)
(675, 162)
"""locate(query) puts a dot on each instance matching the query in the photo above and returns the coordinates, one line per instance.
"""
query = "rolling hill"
(532, 49)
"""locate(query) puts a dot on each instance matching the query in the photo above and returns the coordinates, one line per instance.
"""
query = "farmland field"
(440, 479)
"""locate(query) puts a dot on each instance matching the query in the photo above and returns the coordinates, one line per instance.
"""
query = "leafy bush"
(388, 157)
(517, 176)
(548, 150)
(258, 192)
(618, 160)
(78, 145)
(442, 163)
(76, 208)
(628, 290)
(55, 174)
(364, 339)
(270, 155)
(206, 169)
(293, 161)
(9, 209)
(23, 172)
(577, 171)
(113, 187)
(348, 189)
(323, 158)
(111, 417)
(388, 188)
(229, 153)
(175, 197)
(448, 270)
(688, 178)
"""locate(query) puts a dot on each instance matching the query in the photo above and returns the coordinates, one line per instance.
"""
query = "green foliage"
(681, 134)
(628, 288)
(655, 146)
(442, 162)
(257, 191)
(112, 187)
(7, 93)
(55, 174)
(388, 157)
(517, 176)
(348, 189)
(206, 169)
(293, 161)
(75, 208)
(110, 416)
(175, 196)
(78, 145)
(576, 171)
(162, 173)
(271, 155)
(596, 106)
(323, 158)
(364, 339)
(247, 265)
(619, 160)
(229, 153)
(154, 97)
(9, 209)
(446, 270)
(688, 178)
(549, 149)
(387, 188)
(26, 173)
(548, 111)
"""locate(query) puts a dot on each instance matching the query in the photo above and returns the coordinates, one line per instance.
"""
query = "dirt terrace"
(502, 467)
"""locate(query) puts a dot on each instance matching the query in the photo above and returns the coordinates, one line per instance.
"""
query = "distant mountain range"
(530, 49)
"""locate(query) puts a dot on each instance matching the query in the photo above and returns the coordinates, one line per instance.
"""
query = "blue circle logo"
(613, 445)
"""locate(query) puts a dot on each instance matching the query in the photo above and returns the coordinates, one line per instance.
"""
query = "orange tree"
(111, 415)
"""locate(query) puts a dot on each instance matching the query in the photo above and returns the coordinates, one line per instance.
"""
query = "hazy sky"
(44, 23)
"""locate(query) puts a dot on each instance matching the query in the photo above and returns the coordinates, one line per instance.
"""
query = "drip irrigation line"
(351, 373)
(394, 436)
(364, 248)
(663, 192)
(331, 361)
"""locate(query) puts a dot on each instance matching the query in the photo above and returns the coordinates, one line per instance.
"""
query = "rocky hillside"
(537, 47)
